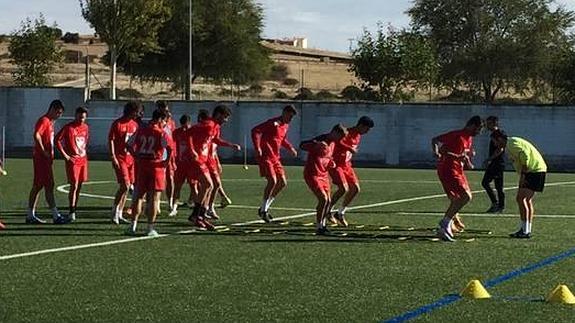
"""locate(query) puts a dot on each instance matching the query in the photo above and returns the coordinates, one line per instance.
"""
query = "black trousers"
(494, 174)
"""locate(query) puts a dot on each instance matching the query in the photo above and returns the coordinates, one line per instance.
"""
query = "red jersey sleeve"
(60, 137)
(257, 133)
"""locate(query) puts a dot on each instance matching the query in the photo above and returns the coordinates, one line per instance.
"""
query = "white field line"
(107, 243)
(491, 215)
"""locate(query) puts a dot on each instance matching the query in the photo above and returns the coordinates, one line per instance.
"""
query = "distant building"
(300, 42)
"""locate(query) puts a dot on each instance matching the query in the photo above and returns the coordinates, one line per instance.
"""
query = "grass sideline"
(282, 272)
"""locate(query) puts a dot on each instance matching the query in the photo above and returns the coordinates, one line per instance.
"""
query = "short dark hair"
(81, 109)
(222, 109)
(56, 104)
(159, 114)
(162, 104)
(340, 129)
(185, 118)
(492, 118)
(497, 134)
(290, 108)
(474, 121)
(132, 106)
(203, 114)
(365, 121)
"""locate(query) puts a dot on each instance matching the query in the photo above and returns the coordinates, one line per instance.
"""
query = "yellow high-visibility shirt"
(525, 156)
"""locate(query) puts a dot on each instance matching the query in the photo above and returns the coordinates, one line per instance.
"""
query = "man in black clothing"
(494, 169)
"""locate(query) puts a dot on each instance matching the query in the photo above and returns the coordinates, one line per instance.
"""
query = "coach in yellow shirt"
(531, 166)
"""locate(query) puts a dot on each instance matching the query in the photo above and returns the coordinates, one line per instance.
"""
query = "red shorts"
(271, 168)
(77, 173)
(150, 179)
(318, 184)
(214, 166)
(343, 175)
(454, 183)
(43, 174)
(196, 170)
(125, 174)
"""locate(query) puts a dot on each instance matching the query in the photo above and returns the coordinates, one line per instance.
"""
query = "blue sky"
(328, 24)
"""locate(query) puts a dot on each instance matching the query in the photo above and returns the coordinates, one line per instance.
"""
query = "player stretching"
(72, 142)
(201, 136)
(180, 176)
(531, 166)
(343, 174)
(43, 158)
(315, 172)
(170, 170)
(494, 170)
(268, 137)
(152, 148)
(122, 161)
(453, 149)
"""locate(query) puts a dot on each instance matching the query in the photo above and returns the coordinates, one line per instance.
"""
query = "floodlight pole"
(190, 72)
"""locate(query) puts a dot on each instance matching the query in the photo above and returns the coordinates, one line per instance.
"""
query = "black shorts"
(534, 181)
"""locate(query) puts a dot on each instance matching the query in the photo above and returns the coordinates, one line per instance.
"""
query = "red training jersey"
(456, 142)
(151, 146)
(342, 152)
(270, 136)
(120, 133)
(202, 135)
(73, 140)
(319, 159)
(180, 138)
(45, 128)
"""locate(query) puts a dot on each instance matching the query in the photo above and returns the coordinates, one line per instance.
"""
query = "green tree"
(129, 27)
(394, 62)
(226, 45)
(491, 46)
(34, 51)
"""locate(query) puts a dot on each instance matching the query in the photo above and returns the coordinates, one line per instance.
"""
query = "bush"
(352, 93)
(325, 95)
(291, 82)
(278, 72)
(255, 89)
(280, 95)
(304, 94)
(71, 38)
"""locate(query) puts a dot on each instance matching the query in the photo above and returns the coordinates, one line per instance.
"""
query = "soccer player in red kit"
(181, 175)
(343, 174)
(169, 128)
(152, 148)
(43, 158)
(316, 169)
(72, 141)
(454, 152)
(215, 169)
(123, 162)
(2, 225)
(268, 138)
(201, 136)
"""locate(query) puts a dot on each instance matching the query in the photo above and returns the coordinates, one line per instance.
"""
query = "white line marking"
(491, 215)
(99, 244)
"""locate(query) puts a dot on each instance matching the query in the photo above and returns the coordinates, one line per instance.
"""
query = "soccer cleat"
(120, 220)
(2, 226)
(130, 232)
(500, 209)
(197, 222)
(340, 219)
(152, 233)
(72, 216)
(225, 201)
(492, 209)
(174, 212)
(323, 231)
(445, 235)
(61, 220)
(34, 220)
(520, 235)
(208, 225)
(264, 215)
(331, 218)
(211, 214)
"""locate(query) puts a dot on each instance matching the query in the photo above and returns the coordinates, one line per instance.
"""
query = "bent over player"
(454, 150)
(315, 172)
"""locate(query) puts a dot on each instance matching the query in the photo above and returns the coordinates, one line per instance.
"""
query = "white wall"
(401, 136)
